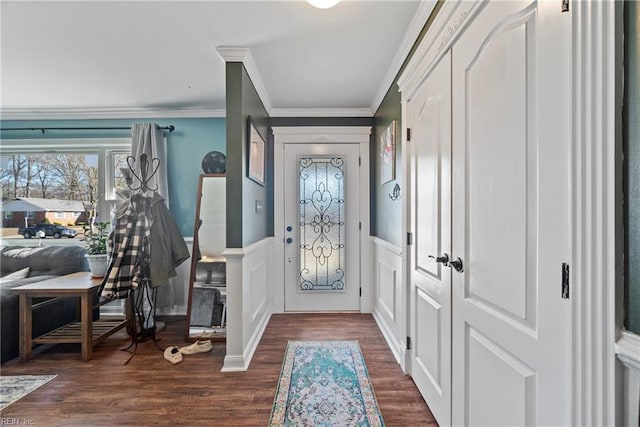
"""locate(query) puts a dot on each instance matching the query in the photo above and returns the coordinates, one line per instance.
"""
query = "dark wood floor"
(151, 391)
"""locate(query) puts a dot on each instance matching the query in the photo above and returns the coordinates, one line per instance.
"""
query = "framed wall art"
(256, 150)
(388, 154)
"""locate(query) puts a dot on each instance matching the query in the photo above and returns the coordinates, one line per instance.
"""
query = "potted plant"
(96, 237)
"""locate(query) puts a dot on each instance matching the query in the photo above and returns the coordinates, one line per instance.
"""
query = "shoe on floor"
(173, 354)
(197, 347)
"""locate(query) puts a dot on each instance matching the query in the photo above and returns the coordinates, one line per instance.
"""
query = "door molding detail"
(321, 135)
(595, 176)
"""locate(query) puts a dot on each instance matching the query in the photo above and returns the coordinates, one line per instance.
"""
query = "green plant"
(96, 238)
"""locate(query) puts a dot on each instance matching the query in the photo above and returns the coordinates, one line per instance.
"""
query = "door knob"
(289, 240)
(456, 264)
(444, 259)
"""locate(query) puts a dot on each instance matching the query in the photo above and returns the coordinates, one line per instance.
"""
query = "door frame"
(360, 135)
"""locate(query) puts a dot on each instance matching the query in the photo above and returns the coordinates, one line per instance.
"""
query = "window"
(8, 215)
(29, 215)
(60, 215)
(82, 169)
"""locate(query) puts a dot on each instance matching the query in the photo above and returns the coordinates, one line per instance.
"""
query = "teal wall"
(387, 221)
(244, 225)
(186, 146)
(632, 156)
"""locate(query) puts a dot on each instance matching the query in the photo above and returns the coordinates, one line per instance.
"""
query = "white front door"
(429, 114)
(321, 220)
(511, 174)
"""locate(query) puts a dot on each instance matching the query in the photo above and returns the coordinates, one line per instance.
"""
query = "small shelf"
(72, 332)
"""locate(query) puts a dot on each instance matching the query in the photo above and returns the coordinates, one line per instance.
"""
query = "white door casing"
(510, 327)
(348, 297)
(429, 117)
(321, 135)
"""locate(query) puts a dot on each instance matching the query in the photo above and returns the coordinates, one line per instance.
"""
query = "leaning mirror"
(206, 311)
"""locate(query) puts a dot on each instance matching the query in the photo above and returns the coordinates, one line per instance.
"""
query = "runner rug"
(15, 388)
(324, 383)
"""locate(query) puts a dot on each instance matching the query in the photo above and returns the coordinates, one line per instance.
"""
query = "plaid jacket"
(129, 244)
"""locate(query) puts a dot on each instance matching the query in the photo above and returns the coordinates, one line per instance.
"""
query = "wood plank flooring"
(151, 391)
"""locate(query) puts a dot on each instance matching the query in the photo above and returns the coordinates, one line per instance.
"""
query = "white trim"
(397, 348)
(367, 294)
(64, 144)
(245, 328)
(321, 112)
(109, 113)
(451, 20)
(628, 350)
(397, 250)
(243, 54)
(593, 229)
(411, 35)
(321, 135)
(395, 337)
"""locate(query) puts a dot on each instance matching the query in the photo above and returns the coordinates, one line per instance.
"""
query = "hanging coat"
(146, 247)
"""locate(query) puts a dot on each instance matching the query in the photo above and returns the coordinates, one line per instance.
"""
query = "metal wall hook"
(396, 193)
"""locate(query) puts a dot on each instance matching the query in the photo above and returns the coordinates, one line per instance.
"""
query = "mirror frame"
(194, 261)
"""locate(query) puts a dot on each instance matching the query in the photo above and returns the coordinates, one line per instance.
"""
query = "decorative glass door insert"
(322, 224)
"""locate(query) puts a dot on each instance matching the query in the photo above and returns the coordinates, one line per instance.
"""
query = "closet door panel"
(509, 324)
(502, 172)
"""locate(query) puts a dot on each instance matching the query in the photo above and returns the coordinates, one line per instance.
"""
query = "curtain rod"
(169, 128)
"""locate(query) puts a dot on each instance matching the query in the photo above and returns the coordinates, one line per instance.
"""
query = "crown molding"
(107, 113)
(413, 31)
(242, 54)
(321, 112)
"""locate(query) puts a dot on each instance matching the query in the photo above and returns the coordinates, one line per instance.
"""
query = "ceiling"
(129, 56)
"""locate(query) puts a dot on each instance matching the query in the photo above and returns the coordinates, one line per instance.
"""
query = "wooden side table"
(86, 332)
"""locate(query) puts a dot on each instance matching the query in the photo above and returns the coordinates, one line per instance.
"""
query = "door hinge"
(565, 5)
(359, 226)
(409, 238)
(408, 343)
(359, 161)
(565, 280)
(408, 134)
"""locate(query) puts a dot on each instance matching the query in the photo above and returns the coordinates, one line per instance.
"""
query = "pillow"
(16, 275)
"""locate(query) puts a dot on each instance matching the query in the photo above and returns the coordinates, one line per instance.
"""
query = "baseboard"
(241, 363)
(233, 364)
(396, 348)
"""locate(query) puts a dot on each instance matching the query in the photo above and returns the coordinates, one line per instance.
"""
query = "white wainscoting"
(628, 352)
(249, 301)
(389, 296)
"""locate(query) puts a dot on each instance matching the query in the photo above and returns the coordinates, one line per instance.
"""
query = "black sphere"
(214, 162)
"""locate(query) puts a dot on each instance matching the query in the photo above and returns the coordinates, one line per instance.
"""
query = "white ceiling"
(143, 55)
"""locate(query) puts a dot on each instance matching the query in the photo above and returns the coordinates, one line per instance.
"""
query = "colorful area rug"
(324, 383)
(15, 388)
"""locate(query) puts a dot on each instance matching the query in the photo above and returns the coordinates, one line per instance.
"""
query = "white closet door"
(429, 114)
(511, 342)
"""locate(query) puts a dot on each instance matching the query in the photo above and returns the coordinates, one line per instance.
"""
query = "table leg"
(86, 320)
(25, 327)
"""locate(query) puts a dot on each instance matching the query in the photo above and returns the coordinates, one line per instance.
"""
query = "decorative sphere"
(214, 162)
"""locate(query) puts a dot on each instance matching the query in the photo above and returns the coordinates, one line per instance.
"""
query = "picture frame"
(388, 154)
(256, 153)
